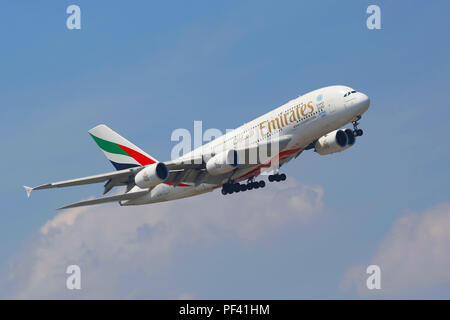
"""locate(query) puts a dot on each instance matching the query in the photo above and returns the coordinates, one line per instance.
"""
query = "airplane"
(311, 121)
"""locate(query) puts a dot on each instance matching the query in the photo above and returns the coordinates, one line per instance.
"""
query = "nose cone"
(362, 103)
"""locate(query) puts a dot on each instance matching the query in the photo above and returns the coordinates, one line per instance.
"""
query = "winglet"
(28, 190)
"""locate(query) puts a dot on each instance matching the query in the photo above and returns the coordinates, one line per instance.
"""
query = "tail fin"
(121, 152)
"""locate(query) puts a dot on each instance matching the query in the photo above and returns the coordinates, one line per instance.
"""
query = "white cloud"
(124, 252)
(414, 255)
(62, 221)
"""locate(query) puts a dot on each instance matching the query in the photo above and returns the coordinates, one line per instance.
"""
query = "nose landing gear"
(357, 132)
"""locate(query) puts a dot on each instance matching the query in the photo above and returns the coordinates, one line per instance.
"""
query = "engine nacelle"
(151, 175)
(222, 163)
(336, 141)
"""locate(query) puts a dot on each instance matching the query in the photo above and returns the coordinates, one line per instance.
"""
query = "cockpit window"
(349, 93)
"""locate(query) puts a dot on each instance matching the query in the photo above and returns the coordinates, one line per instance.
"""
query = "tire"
(243, 187)
(360, 132)
(249, 186)
(282, 177)
(270, 178)
(262, 184)
(224, 192)
(236, 187)
(255, 185)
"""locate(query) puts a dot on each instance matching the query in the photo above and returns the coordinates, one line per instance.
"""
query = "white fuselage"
(304, 120)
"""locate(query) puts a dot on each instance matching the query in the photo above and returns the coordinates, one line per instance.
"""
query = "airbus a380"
(311, 121)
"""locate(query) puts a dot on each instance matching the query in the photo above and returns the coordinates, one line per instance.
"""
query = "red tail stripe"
(139, 157)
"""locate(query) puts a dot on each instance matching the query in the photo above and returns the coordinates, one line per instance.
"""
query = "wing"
(193, 170)
(120, 197)
(121, 177)
(180, 171)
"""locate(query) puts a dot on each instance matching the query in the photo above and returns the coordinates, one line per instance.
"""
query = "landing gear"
(230, 187)
(227, 188)
(277, 177)
(357, 132)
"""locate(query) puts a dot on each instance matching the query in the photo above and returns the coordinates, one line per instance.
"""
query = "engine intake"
(351, 139)
(335, 141)
(152, 175)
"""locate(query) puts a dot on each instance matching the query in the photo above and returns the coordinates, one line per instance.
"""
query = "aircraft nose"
(363, 103)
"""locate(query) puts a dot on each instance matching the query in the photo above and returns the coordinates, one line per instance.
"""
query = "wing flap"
(120, 197)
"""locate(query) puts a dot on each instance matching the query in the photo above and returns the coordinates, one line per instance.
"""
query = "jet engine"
(336, 141)
(151, 175)
(222, 163)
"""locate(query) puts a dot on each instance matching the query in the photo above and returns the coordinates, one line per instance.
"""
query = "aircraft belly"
(190, 191)
(164, 192)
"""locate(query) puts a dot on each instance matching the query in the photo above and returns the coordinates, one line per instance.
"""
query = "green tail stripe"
(108, 146)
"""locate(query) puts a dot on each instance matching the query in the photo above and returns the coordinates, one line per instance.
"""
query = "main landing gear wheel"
(277, 177)
(229, 188)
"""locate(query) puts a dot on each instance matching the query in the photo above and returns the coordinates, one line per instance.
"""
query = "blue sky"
(147, 68)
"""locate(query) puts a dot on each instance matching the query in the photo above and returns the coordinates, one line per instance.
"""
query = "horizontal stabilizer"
(120, 197)
(28, 190)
